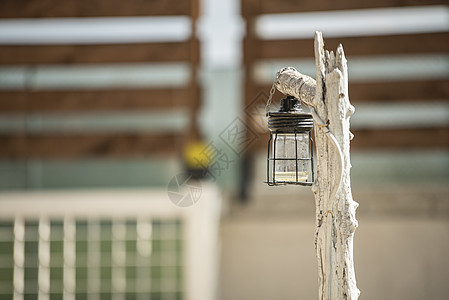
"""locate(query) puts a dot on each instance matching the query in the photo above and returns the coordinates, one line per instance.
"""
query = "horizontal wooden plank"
(419, 90)
(392, 139)
(255, 7)
(366, 45)
(98, 8)
(87, 145)
(402, 138)
(78, 101)
(110, 53)
(437, 89)
(111, 145)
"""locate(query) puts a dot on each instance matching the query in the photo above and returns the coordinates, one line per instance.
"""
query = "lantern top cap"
(290, 117)
(290, 106)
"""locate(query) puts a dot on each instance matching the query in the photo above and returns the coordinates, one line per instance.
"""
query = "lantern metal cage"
(290, 147)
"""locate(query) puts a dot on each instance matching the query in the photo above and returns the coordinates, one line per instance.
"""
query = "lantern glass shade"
(290, 159)
(290, 147)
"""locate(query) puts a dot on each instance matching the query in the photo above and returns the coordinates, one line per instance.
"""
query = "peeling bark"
(335, 215)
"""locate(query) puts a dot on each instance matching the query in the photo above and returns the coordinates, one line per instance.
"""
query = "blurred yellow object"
(197, 156)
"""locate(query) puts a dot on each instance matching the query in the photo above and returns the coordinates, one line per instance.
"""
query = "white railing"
(179, 243)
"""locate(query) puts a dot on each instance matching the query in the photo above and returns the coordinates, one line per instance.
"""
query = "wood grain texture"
(110, 53)
(335, 208)
(402, 138)
(399, 139)
(289, 6)
(23, 146)
(387, 91)
(427, 43)
(102, 100)
(86, 8)
(417, 90)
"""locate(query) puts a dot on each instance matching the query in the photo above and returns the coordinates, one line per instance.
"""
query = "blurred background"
(109, 109)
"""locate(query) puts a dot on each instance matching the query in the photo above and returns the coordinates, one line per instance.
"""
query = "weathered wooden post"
(327, 97)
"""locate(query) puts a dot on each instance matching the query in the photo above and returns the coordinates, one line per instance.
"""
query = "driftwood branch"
(328, 97)
(291, 82)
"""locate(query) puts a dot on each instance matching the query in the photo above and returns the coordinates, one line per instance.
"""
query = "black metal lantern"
(290, 147)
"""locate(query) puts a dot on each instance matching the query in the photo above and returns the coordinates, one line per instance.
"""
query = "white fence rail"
(118, 244)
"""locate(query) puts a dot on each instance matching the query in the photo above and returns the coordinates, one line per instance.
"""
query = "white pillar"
(43, 276)
(93, 259)
(118, 259)
(69, 273)
(144, 240)
(19, 258)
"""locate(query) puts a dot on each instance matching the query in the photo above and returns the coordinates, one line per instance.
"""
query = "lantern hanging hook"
(273, 88)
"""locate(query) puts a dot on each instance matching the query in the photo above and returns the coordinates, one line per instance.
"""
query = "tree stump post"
(335, 208)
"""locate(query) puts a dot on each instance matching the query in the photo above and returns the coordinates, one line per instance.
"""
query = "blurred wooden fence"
(29, 100)
(399, 91)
